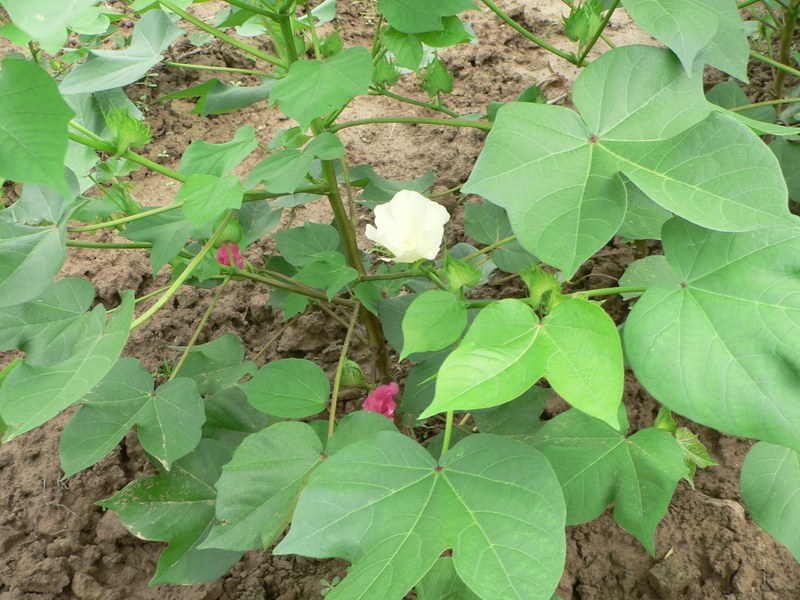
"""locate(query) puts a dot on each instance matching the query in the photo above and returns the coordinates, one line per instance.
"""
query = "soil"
(55, 544)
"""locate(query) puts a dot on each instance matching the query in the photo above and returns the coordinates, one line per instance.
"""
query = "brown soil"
(56, 545)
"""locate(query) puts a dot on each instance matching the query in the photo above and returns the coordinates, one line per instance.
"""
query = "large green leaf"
(313, 88)
(299, 245)
(168, 421)
(507, 349)
(258, 489)
(329, 272)
(386, 506)
(38, 324)
(433, 321)
(487, 223)
(106, 69)
(657, 129)
(597, 465)
(29, 259)
(178, 507)
(720, 345)
(202, 157)
(230, 418)
(33, 125)
(420, 16)
(282, 172)
(167, 231)
(292, 388)
(711, 31)
(42, 18)
(771, 491)
(206, 197)
(443, 583)
(33, 394)
(218, 364)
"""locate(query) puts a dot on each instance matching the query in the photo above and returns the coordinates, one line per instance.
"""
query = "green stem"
(123, 220)
(444, 193)
(211, 68)
(287, 32)
(339, 368)
(388, 94)
(298, 289)
(789, 21)
(187, 272)
(775, 63)
(433, 277)
(765, 103)
(313, 28)
(223, 36)
(387, 276)
(200, 327)
(745, 4)
(78, 244)
(448, 432)
(597, 34)
(254, 9)
(412, 120)
(631, 289)
(490, 247)
(499, 12)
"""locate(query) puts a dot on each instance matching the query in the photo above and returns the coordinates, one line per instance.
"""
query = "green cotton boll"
(232, 234)
(128, 132)
(460, 273)
(542, 286)
(332, 45)
(384, 74)
(437, 79)
(352, 375)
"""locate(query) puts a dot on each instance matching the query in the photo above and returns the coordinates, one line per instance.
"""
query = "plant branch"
(79, 244)
(775, 63)
(339, 368)
(224, 36)
(499, 12)
(254, 9)
(412, 120)
(448, 432)
(399, 98)
(490, 247)
(212, 68)
(598, 33)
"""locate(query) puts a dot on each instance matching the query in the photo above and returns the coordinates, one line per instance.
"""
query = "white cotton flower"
(410, 226)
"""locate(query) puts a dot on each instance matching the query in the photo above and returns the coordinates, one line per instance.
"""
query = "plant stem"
(631, 289)
(287, 32)
(388, 94)
(78, 244)
(789, 22)
(339, 368)
(490, 247)
(254, 9)
(187, 272)
(429, 273)
(275, 337)
(597, 34)
(127, 219)
(775, 63)
(412, 120)
(499, 12)
(765, 103)
(211, 68)
(448, 432)
(223, 36)
(199, 329)
(296, 288)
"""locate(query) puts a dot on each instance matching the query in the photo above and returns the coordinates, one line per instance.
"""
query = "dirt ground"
(55, 544)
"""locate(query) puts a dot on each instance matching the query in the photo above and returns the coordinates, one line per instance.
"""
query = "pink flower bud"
(224, 257)
(382, 400)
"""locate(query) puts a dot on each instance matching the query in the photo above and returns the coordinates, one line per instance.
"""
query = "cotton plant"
(246, 449)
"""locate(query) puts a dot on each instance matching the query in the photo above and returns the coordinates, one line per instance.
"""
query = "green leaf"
(520, 417)
(42, 18)
(168, 421)
(292, 388)
(487, 223)
(206, 197)
(703, 166)
(433, 321)
(223, 98)
(329, 271)
(443, 583)
(178, 507)
(258, 489)
(648, 271)
(420, 384)
(106, 69)
(230, 418)
(788, 155)
(217, 365)
(257, 219)
(325, 146)
(33, 126)
(201, 157)
(33, 394)
(770, 488)
(453, 33)
(298, 245)
(406, 48)
(379, 190)
(643, 217)
(695, 453)
(720, 344)
(420, 16)
(691, 29)
(167, 231)
(508, 349)
(313, 88)
(39, 324)
(282, 172)
(384, 505)
(597, 466)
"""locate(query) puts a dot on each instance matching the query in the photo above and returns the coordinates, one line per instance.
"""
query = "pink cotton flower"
(382, 400)
(224, 257)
